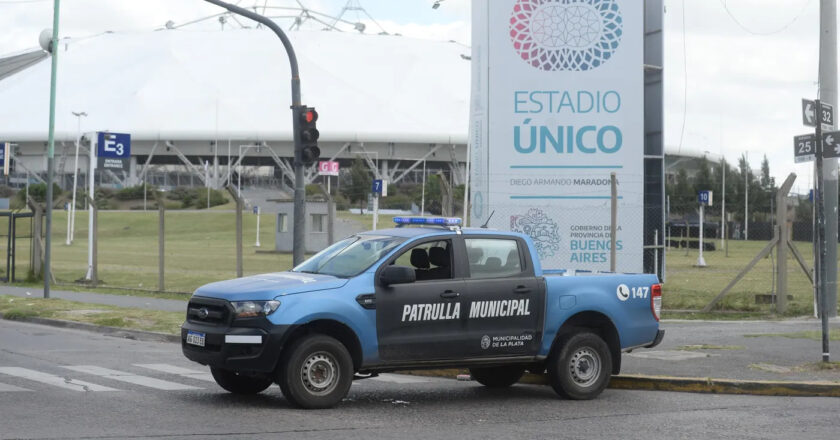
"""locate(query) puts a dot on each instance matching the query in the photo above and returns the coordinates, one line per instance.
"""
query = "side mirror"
(397, 275)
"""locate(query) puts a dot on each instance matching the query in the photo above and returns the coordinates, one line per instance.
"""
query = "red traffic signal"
(308, 152)
(309, 116)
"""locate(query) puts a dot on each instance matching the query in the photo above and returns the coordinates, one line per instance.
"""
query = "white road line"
(399, 378)
(179, 371)
(50, 379)
(10, 388)
(130, 378)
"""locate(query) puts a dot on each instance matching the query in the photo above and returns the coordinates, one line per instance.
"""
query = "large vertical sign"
(557, 105)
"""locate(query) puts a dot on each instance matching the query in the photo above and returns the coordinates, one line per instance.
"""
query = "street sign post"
(328, 168)
(113, 151)
(826, 116)
(704, 198)
(4, 157)
(831, 144)
(804, 148)
(810, 115)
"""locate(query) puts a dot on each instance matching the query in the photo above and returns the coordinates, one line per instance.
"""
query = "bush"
(195, 197)
(134, 192)
(6, 191)
(39, 193)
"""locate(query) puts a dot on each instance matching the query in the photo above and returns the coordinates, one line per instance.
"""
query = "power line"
(685, 80)
(12, 2)
(779, 30)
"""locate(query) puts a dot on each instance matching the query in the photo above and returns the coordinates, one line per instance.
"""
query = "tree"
(358, 183)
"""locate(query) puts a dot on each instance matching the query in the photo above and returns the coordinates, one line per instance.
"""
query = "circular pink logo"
(566, 35)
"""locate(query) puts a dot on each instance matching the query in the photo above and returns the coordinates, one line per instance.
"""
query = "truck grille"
(208, 311)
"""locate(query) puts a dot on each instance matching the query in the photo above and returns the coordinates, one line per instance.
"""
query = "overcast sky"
(734, 80)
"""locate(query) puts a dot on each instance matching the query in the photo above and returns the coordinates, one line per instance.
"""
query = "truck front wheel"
(238, 383)
(316, 371)
(580, 368)
(497, 377)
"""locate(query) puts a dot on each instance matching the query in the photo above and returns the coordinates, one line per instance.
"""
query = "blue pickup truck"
(432, 296)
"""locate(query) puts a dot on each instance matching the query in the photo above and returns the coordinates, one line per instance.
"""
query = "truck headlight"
(253, 309)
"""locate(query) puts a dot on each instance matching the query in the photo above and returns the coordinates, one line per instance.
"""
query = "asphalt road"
(59, 383)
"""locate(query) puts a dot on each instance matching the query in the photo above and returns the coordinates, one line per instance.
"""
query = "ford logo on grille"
(203, 313)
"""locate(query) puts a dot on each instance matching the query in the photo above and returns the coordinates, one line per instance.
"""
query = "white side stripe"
(180, 371)
(11, 388)
(130, 378)
(49, 379)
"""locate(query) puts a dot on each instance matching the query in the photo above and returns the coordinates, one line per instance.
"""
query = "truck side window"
(430, 260)
(493, 257)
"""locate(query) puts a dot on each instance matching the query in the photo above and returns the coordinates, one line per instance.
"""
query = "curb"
(725, 386)
(116, 332)
(684, 384)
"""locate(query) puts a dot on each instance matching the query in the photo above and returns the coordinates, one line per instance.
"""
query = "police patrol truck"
(432, 296)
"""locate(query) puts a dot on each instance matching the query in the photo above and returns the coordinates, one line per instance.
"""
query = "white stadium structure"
(190, 97)
(199, 102)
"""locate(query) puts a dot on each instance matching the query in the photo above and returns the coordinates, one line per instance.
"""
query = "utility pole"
(828, 95)
(51, 148)
(300, 189)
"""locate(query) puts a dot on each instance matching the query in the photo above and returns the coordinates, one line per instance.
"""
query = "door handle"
(449, 294)
(521, 290)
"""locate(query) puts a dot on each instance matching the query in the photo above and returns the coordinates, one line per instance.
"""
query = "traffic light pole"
(300, 189)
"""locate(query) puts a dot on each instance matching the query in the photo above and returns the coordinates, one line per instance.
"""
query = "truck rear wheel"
(580, 369)
(238, 383)
(497, 377)
(316, 371)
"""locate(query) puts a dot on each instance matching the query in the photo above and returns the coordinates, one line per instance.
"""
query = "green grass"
(692, 288)
(200, 248)
(710, 347)
(150, 320)
(833, 334)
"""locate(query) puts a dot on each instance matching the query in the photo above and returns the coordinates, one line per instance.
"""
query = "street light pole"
(51, 147)
(72, 213)
(300, 189)
(423, 190)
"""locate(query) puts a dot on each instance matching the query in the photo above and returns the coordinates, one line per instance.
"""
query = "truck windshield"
(351, 256)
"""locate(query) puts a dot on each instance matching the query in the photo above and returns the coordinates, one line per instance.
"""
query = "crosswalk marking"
(179, 371)
(50, 379)
(130, 378)
(11, 388)
(399, 379)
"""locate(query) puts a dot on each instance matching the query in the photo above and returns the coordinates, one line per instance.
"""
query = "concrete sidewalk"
(738, 350)
(139, 302)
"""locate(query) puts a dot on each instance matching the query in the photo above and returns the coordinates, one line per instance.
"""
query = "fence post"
(94, 270)
(37, 218)
(613, 219)
(238, 200)
(161, 240)
(782, 246)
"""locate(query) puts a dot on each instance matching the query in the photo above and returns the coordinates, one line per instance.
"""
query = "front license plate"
(195, 338)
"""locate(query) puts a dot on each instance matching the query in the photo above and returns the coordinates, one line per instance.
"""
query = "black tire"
(316, 371)
(580, 369)
(497, 377)
(238, 383)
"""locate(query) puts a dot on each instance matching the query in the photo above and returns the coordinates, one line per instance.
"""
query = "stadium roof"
(235, 84)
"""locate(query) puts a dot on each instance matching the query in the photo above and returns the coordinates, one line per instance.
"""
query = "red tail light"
(656, 300)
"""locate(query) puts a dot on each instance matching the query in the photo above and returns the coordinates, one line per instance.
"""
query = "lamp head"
(45, 40)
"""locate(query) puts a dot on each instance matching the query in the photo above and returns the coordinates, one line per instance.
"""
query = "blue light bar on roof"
(436, 221)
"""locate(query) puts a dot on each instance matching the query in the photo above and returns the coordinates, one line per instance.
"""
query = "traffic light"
(309, 151)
